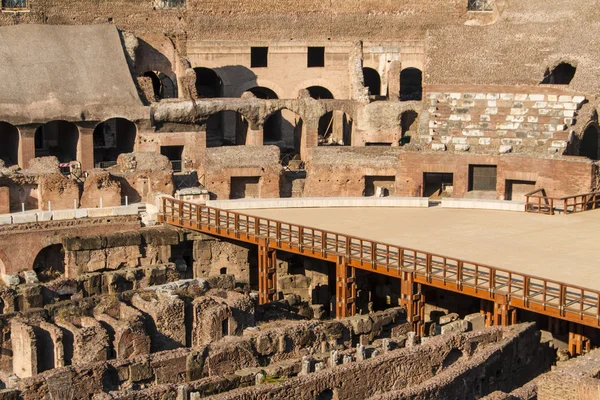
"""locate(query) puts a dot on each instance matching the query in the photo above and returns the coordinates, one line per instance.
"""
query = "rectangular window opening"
(482, 177)
(14, 5)
(259, 57)
(174, 154)
(316, 57)
(170, 3)
(379, 186)
(480, 5)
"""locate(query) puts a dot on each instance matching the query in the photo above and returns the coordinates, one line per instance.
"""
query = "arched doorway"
(372, 81)
(335, 129)
(562, 74)
(49, 264)
(9, 145)
(275, 124)
(162, 85)
(411, 84)
(284, 126)
(408, 121)
(589, 143)
(208, 83)
(319, 92)
(111, 138)
(59, 139)
(226, 128)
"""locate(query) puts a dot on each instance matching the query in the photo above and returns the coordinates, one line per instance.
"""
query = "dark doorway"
(562, 74)
(316, 57)
(372, 81)
(381, 186)
(516, 190)
(208, 83)
(259, 57)
(589, 143)
(174, 154)
(59, 139)
(407, 122)
(162, 85)
(319, 92)
(113, 137)
(411, 84)
(437, 184)
(49, 264)
(9, 150)
(226, 128)
(245, 187)
(482, 177)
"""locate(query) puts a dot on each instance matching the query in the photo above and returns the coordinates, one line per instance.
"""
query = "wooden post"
(267, 274)
(578, 343)
(345, 289)
(414, 301)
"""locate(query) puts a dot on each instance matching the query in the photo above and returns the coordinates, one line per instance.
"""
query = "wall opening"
(516, 189)
(482, 177)
(335, 129)
(589, 143)
(9, 149)
(208, 83)
(49, 264)
(226, 128)
(162, 85)
(316, 57)
(408, 125)
(372, 81)
(411, 84)
(480, 5)
(437, 185)
(113, 137)
(259, 57)
(59, 139)
(174, 154)
(379, 144)
(244, 187)
(379, 186)
(562, 74)
(319, 92)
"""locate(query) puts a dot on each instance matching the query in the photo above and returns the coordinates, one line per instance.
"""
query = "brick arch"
(337, 94)
(262, 83)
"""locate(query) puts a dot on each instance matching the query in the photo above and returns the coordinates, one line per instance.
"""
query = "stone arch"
(263, 93)
(336, 93)
(561, 74)
(335, 128)
(411, 84)
(226, 128)
(286, 126)
(264, 83)
(208, 83)
(588, 146)
(164, 85)
(320, 93)
(10, 143)
(372, 81)
(49, 263)
(57, 138)
(111, 138)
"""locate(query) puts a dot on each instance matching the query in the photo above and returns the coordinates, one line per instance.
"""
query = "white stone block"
(11, 280)
(432, 95)
(472, 132)
(455, 96)
(479, 96)
(505, 148)
(569, 113)
(561, 127)
(570, 106)
(492, 96)
(459, 326)
(537, 97)
(507, 96)
(25, 218)
(491, 111)
(559, 143)
(520, 97)
(438, 147)
(492, 103)
(60, 215)
(519, 111)
(555, 105)
(99, 212)
(476, 321)
(44, 216)
(445, 139)
(126, 210)
(459, 140)
(578, 99)
(462, 147)
(514, 141)
(540, 104)
(81, 213)
(532, 119)
(485, 141)
(552, 97)
(5, 219)
(565, 98)
(569, 121)
(432, 124)
(508, 125)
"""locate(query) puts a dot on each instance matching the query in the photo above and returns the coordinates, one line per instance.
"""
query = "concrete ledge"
(44, 216)
(24, 218)
(100, 212)
(60, 215)
(5, 219)
(126, 210)
(483, 204)
(320, 202)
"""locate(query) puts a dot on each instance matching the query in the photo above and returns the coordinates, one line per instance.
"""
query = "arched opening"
(59, 139)
(335, 129)
(226, 128)
(162, 85)
(372, 81)
(111, 138)
(319, 92)
(562, 74)
(49, 264)
(589, 143)
(263, 93)
(9, 147)
(272, 129)
(408, 125)
(283, 126)
(411, 84)
(208, 83)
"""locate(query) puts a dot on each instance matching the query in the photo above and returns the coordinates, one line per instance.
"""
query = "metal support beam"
(413, 299)
(267, 274)
(345, 289)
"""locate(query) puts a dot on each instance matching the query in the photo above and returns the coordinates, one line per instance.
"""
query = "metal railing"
(538, 202)
(540, 295)
(177, 165)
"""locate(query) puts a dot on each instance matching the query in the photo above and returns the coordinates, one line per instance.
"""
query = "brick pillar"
(413, 299)
(85, 148)
(267, 275)
(26, 145)
(393, 88)
(310, 138)
(345, 289)
(255, 137)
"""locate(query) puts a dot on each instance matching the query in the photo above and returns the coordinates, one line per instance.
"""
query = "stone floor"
(562, 247)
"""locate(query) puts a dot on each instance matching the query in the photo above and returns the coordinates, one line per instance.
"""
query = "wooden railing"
(538, 202)
(540, 295)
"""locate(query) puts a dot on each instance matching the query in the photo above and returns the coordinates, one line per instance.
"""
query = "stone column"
(85, 147)
(255, 136)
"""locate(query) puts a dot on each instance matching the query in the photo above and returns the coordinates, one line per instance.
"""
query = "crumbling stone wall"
(213, 257)
(61, 192)
(100, 189)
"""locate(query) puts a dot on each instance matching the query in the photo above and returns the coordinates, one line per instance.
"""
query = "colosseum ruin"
(304, 200)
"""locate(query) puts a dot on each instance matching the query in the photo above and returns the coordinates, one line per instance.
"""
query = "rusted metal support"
(578, 343)
(267, 274)
(413, 299)
(345, 289)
